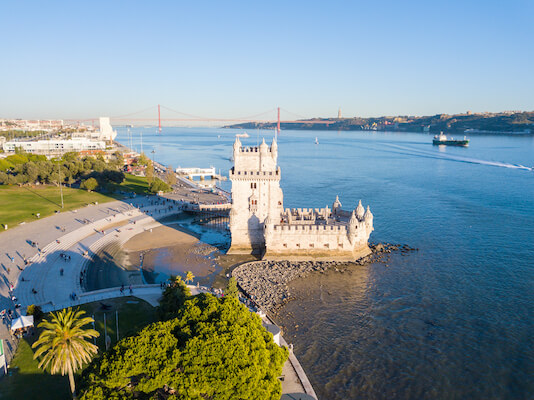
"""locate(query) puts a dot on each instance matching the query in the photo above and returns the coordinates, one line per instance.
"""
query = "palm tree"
(189, 276)
(62, 344)
(175, 280)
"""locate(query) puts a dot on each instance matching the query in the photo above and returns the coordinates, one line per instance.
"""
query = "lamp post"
(59, 181)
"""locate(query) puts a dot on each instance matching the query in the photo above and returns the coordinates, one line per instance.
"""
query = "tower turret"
(336, 205)
(368, 218)
(263, 147)
(353, 227)
(360, 210)
(237, 147)
(274, 149)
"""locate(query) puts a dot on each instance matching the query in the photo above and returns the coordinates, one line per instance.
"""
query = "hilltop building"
(259, 223)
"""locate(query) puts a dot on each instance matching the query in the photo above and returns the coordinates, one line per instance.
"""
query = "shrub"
(89, 184)
(158, 185)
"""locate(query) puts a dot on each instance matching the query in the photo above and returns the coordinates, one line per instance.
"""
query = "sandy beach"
(171, 250)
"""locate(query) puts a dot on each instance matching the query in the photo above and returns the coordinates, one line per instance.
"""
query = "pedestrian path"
(149, 293)
(30, 254)
(50, 278)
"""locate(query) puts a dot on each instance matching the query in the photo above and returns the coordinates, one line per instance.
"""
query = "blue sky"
(228, 59)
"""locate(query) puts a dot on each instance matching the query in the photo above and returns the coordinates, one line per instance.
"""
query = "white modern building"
(54, 146)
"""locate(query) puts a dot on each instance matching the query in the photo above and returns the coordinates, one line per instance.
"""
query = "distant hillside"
(506, 122)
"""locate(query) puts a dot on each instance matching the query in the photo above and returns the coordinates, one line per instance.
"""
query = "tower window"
(253, 185)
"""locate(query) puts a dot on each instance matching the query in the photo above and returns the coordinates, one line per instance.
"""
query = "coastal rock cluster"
(266, 282)
(203, 249)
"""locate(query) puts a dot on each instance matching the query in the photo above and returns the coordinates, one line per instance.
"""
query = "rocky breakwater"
(266, 282)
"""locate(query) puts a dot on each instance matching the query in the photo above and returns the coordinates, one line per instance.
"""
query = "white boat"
(245, 135)
(316, 141)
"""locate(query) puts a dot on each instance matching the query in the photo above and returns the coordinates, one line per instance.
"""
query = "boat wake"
(451, 157)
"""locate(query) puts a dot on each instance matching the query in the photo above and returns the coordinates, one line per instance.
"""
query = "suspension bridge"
(154, 114)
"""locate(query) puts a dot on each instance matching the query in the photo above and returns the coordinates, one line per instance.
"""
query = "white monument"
(106, 130)
(259, 223)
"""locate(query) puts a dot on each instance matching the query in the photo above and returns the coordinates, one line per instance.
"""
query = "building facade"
(259, 224)
(54, 146)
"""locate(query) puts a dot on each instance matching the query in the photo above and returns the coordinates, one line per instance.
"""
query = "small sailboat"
(316, 140)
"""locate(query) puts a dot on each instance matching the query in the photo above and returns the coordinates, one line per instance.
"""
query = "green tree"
(118, 160)
(173, 299)
(149, 172)
(62, 345)
(214, 349)
(231, 288)
(170, 176)
(70, 156)
(36, 311)
(31, 170)
(143, 159)
(158, 185)
(89, 184)
(189, 276)
(5, 164)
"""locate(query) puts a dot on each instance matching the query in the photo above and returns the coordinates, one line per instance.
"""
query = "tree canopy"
(231, 288)
(89, 184)
(25, 168)
(158, 185)
(173, 298)
(214, 349)
(170, 176)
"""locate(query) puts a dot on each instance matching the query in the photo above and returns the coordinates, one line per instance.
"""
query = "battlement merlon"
(256, 158)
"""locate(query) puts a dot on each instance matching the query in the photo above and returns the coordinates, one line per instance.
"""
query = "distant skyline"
(69, 60)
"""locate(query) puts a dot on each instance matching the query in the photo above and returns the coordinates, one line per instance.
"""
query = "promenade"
(41, 262)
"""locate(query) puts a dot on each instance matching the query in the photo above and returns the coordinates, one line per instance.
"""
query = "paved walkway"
(73, 233)
(149, 293)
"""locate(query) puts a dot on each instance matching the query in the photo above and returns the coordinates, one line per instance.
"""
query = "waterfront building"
(259, 224)
(55, 146)
(88, 142)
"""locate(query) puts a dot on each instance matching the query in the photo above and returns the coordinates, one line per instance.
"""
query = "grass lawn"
(21, 204)
(27, 381)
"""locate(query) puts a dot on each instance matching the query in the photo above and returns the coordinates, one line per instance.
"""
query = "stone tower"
(256, 194)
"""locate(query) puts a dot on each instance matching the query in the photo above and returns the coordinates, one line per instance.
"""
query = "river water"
(454, 320)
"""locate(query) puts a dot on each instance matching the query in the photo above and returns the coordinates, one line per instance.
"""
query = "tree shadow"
(41, 196)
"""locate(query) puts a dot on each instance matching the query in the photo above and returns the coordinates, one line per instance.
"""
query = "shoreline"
(266, 282)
